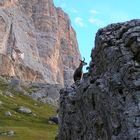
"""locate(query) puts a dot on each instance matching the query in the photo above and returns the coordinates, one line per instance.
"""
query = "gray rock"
(3, 80)
(7, 133)
(8, 113)
(9, 94)
(46, 93)
(10, 133)
(106, 104)
(53, 120)
(15, 82)
(25, 110)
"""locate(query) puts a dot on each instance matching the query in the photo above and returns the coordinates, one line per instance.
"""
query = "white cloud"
(92, 20)
(96, 22)
(79, 21)
(94, 11)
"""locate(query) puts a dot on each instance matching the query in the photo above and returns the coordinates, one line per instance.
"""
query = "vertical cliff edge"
(37, 42)
(105, 105)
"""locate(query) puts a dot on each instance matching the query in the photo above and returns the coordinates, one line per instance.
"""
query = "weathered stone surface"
(8, 94)
(7, 133)
(37, 42)
(105, 105)
(25, 110)
(53, 120)
(8, 113)
(45, 93)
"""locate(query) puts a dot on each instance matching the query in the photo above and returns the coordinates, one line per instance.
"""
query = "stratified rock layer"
(105, 105)
(37, 42)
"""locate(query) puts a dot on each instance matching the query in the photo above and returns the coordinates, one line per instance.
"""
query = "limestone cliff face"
(105, 105)
(37, 41)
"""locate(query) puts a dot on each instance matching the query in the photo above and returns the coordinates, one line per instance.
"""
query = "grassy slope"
(26, 127)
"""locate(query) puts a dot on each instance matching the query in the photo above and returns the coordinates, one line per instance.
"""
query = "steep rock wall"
(43, 35)
(105, 105)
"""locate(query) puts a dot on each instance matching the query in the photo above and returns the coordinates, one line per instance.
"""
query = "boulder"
(53, 119)
(8, 94)
(45, 93)
(7, 133)
(105, 104)
(8, 113)
(25, 110)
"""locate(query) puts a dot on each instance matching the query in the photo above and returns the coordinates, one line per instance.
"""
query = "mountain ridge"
(41, 39)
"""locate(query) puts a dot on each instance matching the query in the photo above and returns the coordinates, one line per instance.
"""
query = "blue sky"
(87, 16)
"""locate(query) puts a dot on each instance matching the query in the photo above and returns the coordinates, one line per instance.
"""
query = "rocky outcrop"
(41, 92)
(45, 93)
(105, 105)
(25, 110)
(37, 42)
(7, 133)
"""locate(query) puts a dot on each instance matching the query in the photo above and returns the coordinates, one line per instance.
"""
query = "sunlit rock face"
(105, 105)
(37, 42)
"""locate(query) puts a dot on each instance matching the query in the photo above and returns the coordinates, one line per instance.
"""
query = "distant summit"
(45, 40)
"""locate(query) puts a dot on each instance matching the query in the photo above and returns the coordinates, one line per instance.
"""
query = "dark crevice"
(73, 102)
(93, 102)
(98, 83)
(124, 99)
(120, 91)
(86, 88)
(117, 130)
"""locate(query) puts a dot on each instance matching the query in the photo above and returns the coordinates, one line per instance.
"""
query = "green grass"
(27, 127)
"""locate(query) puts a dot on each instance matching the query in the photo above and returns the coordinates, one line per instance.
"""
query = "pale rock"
(43, 34)
(8, 94)
(8, 113)
(45, 93)
(7, 133)
(10, 133)
(25, 110)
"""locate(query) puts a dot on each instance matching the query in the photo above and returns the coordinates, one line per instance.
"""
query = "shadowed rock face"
(44, 36)
(106, 104)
